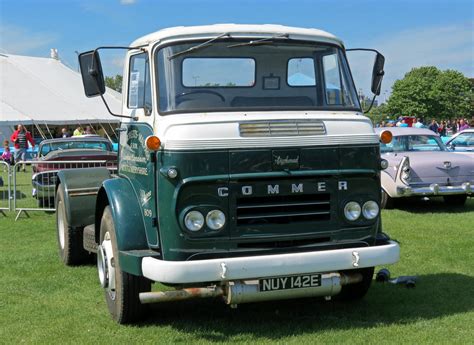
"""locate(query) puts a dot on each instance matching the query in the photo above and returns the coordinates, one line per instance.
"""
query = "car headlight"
(352, 210)
(215, 219)
(194, 220)
(370, 209)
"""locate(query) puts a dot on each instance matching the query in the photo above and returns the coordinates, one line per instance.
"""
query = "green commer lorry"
(246, 171)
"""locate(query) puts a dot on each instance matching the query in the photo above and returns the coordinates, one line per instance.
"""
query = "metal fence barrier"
(33, 186)
(5, 188)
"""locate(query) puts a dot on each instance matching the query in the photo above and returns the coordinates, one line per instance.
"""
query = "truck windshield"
(278, 75)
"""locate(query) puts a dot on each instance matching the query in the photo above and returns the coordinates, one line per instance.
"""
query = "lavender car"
(419, 164)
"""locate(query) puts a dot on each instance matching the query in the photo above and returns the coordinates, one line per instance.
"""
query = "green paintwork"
(80, 210)
(202, 173)
(143, 192)
(136, 164)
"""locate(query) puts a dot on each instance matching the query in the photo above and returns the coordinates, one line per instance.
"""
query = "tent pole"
(39, 130)
(90, 124)
(107, 134)
(113, 131)
(50, 134)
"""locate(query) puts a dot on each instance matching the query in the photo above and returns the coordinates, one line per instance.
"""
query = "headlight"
(370, 209)
(194, 221)
(352, 210)
(215, 219)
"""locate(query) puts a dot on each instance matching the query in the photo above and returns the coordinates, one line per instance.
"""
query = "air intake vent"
(283, 209)
(283, 128)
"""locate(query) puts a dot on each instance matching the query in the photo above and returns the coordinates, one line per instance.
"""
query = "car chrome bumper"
(435, 189)
(179, 272)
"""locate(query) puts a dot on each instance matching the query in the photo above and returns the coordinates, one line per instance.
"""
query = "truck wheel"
(357, 291)
(71, 250)
(121, 288)
(455, 200)
(386, 201)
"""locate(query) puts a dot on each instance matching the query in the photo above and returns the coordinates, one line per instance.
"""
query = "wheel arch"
(80, 207)
(119, 194)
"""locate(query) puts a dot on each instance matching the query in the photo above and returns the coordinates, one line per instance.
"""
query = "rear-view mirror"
(377, 74)
(92, 75)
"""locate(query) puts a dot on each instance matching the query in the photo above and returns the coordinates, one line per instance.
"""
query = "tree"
(414, 94)
(427, 92)
(454, 94)
(379, 113)
(114, 82)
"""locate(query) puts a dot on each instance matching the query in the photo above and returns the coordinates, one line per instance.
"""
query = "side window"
(301, 72)
(139, 85)
(332, 79)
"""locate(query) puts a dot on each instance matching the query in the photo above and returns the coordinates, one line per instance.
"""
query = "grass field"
(42, 301)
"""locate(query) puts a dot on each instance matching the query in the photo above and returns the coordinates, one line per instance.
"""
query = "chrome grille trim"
(282, 128)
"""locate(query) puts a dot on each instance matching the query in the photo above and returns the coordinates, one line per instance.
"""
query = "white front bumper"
(225, 269)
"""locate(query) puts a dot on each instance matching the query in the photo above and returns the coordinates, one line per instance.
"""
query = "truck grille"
(283, 209)
(283, 128)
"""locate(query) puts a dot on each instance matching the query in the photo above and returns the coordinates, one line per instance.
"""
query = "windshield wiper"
(199, 46)
(260, 41)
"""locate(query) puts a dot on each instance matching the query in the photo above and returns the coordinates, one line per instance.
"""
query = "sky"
(409, 33)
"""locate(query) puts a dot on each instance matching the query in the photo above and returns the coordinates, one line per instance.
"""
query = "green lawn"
(42, 301)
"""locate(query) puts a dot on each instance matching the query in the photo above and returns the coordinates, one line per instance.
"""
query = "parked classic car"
(419, 164)
(462, 142)
(68, 153)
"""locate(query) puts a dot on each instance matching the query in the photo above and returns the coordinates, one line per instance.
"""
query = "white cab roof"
(237, 30)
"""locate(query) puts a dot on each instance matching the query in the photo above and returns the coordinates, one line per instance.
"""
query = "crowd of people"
(443, 127)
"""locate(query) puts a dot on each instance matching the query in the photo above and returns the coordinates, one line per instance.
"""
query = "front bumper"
(435, 189)
(225, 269)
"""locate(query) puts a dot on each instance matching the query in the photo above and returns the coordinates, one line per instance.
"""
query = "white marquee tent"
(43, 92)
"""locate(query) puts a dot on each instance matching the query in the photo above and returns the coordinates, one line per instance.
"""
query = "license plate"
(289, 282)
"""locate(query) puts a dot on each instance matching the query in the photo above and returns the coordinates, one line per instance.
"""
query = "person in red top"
(21, 137)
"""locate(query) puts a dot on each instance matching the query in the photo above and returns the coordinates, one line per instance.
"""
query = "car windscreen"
(413, 143)
(70, 145)
(463, 140)
(273, 75)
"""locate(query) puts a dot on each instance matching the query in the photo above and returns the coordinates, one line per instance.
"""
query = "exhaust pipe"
(179, 295)
(237, 292)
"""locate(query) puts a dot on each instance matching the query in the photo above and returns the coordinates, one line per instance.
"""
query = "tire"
(354, 292)
(71, 250)
(121, 294)
(455, 200)
(386, 201)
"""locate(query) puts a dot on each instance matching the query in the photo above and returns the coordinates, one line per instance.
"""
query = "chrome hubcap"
(105, 265)
(61, 229)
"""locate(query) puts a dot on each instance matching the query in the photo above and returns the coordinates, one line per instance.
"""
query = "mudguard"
(128, 219)
(130, 230)
(80, 193)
